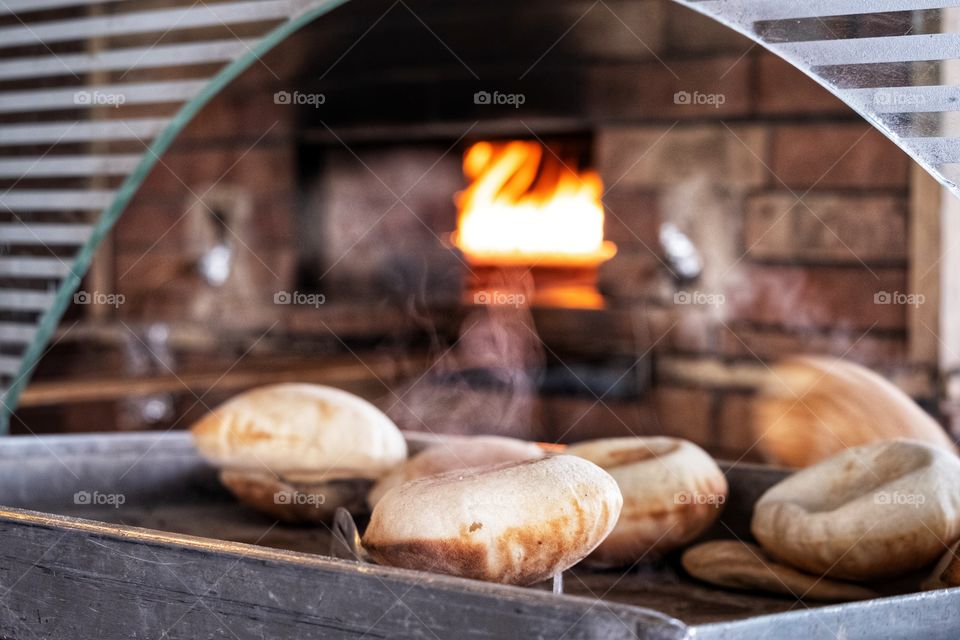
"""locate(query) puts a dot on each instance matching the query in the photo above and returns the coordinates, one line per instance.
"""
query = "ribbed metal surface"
(124, 59)
(65, 132)
(862, 50)
(81, 97)
(24, 233)
(58, 166)
(28, 267)
(189, 17)
(57, 133)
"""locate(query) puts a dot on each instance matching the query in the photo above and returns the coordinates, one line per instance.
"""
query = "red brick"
(695, 330)
(782, 89)
(632, 275)
(735, 437)
(263, 167)
(146, 224)
(576, 419)
(622, 28)
(162, 224)
(691, 32)
(770, 344)
(661, 156)
(685, 413)
(808, 297)
(837, 155)
(239, 110)
(649, 88)
(167, 286)
(826, 227)
(632, 218)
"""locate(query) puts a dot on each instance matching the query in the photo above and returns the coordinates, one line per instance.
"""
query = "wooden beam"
(923, 277)
(341, 373)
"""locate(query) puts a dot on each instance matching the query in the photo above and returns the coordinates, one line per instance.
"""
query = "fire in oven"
(616, 319)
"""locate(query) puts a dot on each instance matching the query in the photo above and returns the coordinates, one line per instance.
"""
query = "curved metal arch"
(891, 108)
(109, 216)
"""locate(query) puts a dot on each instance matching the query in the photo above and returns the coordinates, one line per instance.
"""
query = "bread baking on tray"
(672, 492)
(296, 502)
(811, 407)
(458, 453)
(874, 511)
(739, 565)
(515, 523)
(312, 448)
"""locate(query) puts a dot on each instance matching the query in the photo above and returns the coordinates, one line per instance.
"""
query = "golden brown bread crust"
(515, 523)
(296, 503)
(874, 511)
(739, 565)
(461, 453)
(538, 543)
(813, 407)
(672, 492)
(303, 432)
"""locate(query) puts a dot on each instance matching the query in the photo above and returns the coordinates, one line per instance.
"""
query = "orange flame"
(524, 208)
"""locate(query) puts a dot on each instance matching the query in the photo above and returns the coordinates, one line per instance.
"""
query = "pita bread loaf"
(672, 492)
(515, 523)
(875, 511)
(812, 407)
(739, 565)
(462, 453)
(296, 502)
(329, 443)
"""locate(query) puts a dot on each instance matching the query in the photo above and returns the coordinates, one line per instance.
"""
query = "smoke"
(485, 382)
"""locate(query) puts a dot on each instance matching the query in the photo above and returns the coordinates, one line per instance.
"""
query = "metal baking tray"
(131, 536)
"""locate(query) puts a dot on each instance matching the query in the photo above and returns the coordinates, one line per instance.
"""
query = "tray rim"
(891, 615)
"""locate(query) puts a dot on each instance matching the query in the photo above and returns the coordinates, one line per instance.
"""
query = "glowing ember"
(525, 208)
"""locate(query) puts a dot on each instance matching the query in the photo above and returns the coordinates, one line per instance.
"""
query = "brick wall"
(800, 210)
(795, 276)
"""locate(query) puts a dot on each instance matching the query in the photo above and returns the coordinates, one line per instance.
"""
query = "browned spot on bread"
(253, 436)
(534, 553)
(520, 555)
(452, 557)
